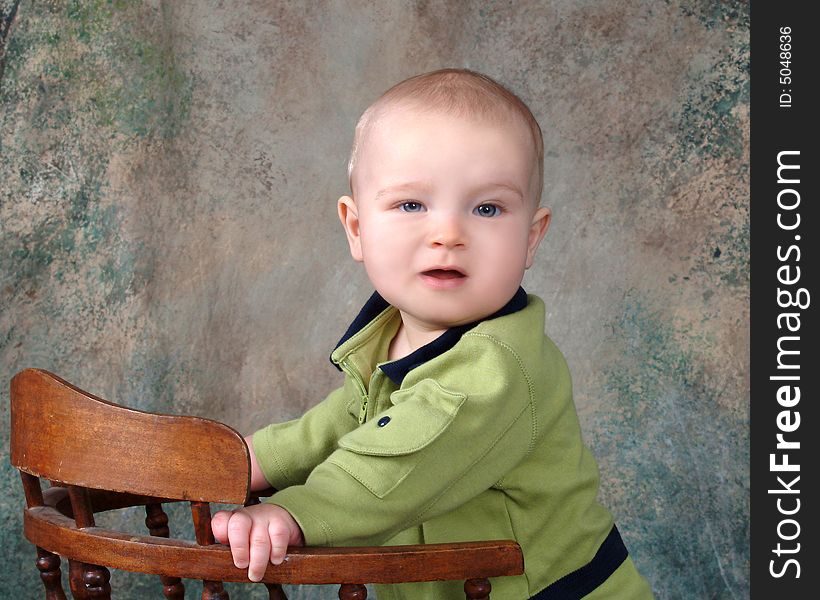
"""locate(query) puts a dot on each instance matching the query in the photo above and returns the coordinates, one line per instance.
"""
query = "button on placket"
(363, 410)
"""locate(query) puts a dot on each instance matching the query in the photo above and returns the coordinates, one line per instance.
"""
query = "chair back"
(66, 435)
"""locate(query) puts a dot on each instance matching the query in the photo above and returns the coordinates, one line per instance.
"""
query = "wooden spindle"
(201, 513)
(76, 571)
(47, 563)
(213, 590)
(156, 520)
(49, 566)
(477, 589)
(32, 489)
(81, 506)
(97, 582)
(95, 578)
(275, 592)
(157, 523)
(352, 591)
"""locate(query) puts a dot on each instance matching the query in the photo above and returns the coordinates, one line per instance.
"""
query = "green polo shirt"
(472, 437)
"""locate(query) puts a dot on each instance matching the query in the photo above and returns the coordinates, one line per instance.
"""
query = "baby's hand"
(256, 535)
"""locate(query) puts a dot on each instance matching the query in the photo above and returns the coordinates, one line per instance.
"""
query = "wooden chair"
(99, 456)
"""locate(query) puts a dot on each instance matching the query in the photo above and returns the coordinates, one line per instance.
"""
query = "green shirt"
(479, 442)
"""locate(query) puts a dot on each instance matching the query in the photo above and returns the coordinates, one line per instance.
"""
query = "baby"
(455, 421)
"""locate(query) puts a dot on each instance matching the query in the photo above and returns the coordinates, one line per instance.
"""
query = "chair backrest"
(64, 434)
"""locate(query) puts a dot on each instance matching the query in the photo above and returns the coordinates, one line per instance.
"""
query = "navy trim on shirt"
(581, 582)
(374, 306)
(398, 369)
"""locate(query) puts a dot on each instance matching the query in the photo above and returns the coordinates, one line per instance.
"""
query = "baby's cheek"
(382, 275)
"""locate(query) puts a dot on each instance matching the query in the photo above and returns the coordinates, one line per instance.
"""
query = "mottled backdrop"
(168, 235)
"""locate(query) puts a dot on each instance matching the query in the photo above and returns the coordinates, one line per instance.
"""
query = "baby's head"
(445, 174)
(459, 93)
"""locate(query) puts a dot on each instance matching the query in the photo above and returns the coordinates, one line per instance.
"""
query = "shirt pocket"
(381, 453)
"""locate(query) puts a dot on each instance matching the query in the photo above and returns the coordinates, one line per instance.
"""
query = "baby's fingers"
(279, 535)
(239, 528)
(260, 551)
(219, 525)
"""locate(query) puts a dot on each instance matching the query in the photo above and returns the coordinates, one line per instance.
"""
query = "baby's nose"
(448, 231)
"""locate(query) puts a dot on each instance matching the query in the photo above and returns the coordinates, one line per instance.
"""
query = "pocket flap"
(419, 415)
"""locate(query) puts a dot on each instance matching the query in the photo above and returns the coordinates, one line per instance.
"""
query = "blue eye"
(487, 210)
(411, 206)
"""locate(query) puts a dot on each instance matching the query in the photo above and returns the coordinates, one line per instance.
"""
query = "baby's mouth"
(444, 274)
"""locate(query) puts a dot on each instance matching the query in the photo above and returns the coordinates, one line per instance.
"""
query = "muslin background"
(169, 239)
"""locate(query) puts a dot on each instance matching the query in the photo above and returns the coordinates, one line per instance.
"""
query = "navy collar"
(398, 369)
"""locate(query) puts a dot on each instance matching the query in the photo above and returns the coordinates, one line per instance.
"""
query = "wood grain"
(46, 527)
(62, 433)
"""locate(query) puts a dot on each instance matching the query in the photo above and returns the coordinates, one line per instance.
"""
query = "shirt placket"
(354, 375)
(379, 393)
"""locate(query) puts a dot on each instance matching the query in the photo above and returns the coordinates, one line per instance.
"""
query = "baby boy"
(455, 421)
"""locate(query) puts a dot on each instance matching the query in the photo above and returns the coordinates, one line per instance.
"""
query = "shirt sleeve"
(287, 452)
(444, 440)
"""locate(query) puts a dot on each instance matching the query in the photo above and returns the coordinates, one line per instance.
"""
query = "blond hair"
(459, 92)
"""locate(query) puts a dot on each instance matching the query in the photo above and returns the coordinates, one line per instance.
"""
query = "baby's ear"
(349, 216)
(538, 228)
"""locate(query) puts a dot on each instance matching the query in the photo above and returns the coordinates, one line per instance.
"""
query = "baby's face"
(443, 217)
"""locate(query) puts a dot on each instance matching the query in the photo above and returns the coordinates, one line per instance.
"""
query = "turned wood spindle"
(156, 520)
(32, 489)
(76, 570)
(157, 523)
(49, 566)
(213, 590)
(201, 513)
(352, 591)
(81, 506)
(95, 578)
(477, 589)
(275, 592)
(47, 563)
(97, 582)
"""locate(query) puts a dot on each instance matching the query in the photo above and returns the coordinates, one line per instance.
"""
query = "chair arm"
(47, 528)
